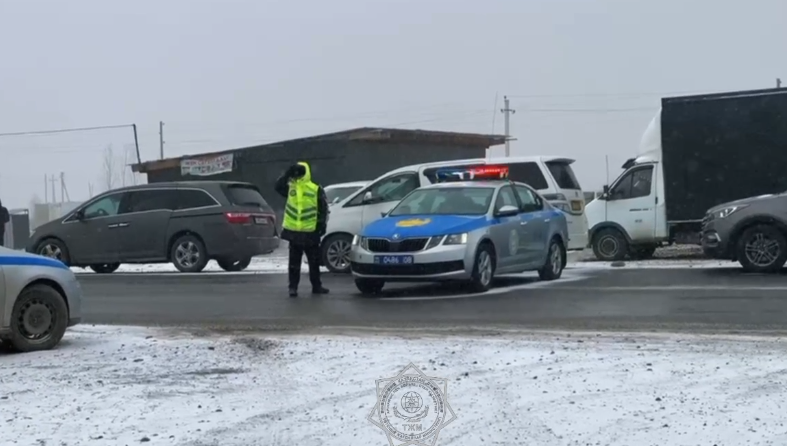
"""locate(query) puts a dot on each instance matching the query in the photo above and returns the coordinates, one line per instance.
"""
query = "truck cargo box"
(722, 147)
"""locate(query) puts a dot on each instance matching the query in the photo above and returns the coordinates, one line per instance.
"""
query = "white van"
(552, 176)
(338, 192)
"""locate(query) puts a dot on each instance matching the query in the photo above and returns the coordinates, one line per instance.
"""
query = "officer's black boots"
(293, 292)
(320, 290)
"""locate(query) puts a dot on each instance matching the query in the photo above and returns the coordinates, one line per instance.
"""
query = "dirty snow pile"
(124, 386)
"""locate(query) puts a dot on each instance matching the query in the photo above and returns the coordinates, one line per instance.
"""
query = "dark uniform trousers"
(312, 251)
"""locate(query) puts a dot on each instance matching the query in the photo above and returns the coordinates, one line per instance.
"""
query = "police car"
(470, 226)
(39, 298)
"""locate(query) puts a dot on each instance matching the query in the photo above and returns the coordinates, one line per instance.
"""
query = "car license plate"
(261, 220)
(393, 260)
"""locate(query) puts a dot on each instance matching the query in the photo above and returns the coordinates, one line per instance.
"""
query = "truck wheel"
(189, 254)
(610, 245)
(484, 268)
(641, 252)
(553, 268)
(762, 249)
(369, 286)
(238, 265)
(336, 253)
(38, 320)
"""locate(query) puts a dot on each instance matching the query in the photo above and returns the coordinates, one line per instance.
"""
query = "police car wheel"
(484, 268)
(553, 268)
(369, 286)
(39, 319)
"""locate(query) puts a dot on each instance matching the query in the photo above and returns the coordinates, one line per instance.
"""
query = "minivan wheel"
(105, 268)
(188, 254)
(610, 245)
(54, 249)
(39, 319)
(237, 265)
(336, 253)
(762, 249)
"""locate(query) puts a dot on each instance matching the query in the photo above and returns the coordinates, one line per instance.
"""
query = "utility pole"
(54, 196)
(46, 188)
(507, 111)
(778, 83)
(161, 139)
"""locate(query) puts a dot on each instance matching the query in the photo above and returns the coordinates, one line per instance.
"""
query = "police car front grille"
(405, 245)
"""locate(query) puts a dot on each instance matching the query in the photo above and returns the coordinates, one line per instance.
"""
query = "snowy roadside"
(121, 386)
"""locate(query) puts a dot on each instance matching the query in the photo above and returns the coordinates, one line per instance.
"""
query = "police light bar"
(480, 173)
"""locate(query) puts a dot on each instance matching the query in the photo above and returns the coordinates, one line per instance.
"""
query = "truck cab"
(629, 218)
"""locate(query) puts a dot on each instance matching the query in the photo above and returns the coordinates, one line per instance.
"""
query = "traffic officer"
(305, 220)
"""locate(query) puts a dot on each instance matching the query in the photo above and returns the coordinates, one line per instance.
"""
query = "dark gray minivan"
(186, 223)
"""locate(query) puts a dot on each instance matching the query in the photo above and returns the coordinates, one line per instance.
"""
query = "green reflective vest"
(300, 212)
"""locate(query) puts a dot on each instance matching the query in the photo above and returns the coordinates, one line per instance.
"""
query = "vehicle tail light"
(576, 205)
(236, 218)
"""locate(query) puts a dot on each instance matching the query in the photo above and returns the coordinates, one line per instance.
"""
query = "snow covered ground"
(123, 386)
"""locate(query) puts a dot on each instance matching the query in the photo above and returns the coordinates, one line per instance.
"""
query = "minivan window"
(245, 195)
(103, 207)
(528, 173)
(563, 175)
(191, 198)
(149, 200)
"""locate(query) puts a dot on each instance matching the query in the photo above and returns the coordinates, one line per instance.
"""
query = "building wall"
(331, 162)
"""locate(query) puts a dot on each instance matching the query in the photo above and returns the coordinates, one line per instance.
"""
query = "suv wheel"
(105, 268)
(188, 254)
(336, 253)
(609, 245)
(54, 249)
(762, 249)
(238, 265)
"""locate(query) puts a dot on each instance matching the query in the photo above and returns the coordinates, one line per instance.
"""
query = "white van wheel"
(610, 245)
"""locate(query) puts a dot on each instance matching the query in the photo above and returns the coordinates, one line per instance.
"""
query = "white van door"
(385, 194)
(631, 203)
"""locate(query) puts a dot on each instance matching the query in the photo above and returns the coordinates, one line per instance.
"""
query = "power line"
(608, 95)
(80, 129)
(589, 110)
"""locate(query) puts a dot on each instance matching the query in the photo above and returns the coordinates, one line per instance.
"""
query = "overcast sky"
(585, 76)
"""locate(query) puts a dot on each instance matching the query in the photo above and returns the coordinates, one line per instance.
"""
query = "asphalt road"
(626, 299)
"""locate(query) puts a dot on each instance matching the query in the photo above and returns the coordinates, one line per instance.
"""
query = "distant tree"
(109, 168)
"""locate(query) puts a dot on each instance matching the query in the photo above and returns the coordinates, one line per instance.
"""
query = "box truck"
(698, 152)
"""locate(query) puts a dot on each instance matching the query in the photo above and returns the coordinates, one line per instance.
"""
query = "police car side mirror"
(507, 211)
(383, 214)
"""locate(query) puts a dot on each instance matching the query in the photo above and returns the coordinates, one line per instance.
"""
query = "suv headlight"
(456, 239)
(356, 240)
(726, 212)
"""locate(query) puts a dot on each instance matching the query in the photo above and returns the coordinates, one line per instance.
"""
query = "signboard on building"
(206, 166)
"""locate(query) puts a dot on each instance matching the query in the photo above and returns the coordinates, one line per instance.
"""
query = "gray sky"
(230, 73)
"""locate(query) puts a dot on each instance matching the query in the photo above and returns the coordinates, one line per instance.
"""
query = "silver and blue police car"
(467, 230)
(39, 298)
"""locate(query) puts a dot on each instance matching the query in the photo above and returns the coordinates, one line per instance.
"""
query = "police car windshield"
(446, 201)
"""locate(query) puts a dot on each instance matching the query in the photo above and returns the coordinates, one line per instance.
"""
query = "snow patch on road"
(658, 264)
(117, 385)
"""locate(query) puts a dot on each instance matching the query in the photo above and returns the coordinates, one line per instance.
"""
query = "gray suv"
(186, 223)
(752, 231)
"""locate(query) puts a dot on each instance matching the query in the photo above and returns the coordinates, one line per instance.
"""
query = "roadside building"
(353, 155)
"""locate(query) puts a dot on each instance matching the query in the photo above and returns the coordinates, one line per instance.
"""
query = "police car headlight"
(456, 239)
